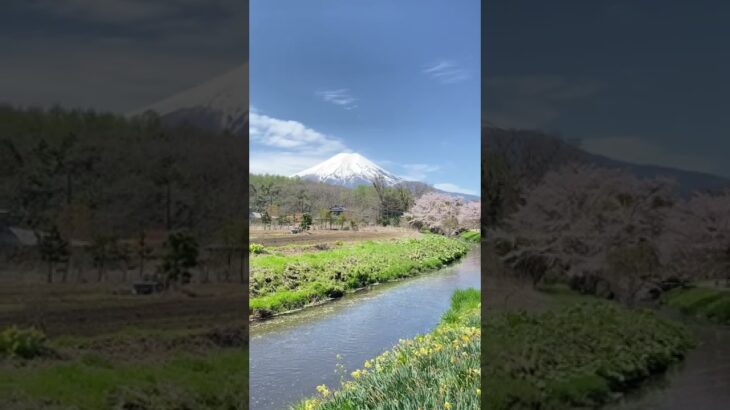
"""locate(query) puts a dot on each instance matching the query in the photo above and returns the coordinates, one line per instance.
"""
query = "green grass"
(217, 380)
(439, 370)
(713, 304)
(471, 236)
(576, 356)
(284, 282)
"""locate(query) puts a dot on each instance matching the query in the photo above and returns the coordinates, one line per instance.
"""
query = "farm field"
(280, 282)
(106, 349)
(281, 237)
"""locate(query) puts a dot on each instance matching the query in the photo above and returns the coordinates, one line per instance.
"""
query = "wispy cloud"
(447, 72)
(449, 187)
(341, 97)
(418, 172)
(284, 147)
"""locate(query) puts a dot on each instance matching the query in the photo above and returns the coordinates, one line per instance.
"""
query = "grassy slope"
(711, 303)
(471, 236)
(577, 355)
(85, 378)
(433, 371)
(284, 282)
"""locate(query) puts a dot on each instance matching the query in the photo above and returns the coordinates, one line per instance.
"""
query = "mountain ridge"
(218, 104)
(350, 169)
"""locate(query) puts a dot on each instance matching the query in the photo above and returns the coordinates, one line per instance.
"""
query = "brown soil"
(87, 310)
(281, 238)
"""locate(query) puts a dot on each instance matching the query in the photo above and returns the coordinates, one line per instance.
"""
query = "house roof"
(25, 236)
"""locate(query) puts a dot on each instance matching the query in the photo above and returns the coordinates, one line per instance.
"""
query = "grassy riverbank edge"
(134, 368)
(436, 370)
(285, 283)
(582, 355)
(710, 303)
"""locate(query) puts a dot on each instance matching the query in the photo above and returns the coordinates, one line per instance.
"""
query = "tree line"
(104, 179)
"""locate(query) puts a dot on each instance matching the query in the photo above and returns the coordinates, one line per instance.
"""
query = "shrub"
(256, 248)
(23, 343)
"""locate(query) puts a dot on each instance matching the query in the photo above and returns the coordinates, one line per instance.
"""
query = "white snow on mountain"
(348, 169)
(221, 103)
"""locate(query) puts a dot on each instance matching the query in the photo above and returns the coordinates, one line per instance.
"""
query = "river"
(291, 355)
(700, 381)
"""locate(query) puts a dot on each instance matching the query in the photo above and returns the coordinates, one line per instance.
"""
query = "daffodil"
(323, 390)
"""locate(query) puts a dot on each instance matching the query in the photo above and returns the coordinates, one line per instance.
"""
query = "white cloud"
(449, 187)
(341, 97)
(290, 135)
(418, 172)
(279, 162)
(289, 146)
(641, 151)
(447, 72)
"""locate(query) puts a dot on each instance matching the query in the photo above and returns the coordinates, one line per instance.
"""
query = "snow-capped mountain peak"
(221, 103)
(348, 169)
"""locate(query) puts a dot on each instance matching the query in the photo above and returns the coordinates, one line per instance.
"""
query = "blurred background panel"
(123, 204)
(605, 190)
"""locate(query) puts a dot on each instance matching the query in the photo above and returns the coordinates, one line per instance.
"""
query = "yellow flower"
(323, 390)
(356, 374)
(368, 364)
(447, 405)
(311, 404)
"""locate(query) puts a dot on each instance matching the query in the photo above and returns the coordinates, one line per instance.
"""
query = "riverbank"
(132, 368)
(104, 348)
(281, 282)
(711, 303)
(436, 370)
(583, 355)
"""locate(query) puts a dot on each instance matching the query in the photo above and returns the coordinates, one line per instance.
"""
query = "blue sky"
(644, 82)
(396, 81)
(115, 55)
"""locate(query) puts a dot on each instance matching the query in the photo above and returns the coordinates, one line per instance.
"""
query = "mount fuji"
(219, 104)
(349, 170)
(352, 169)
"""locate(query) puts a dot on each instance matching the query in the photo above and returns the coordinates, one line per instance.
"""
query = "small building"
(11, 236)
(337, 210)
(254, 216)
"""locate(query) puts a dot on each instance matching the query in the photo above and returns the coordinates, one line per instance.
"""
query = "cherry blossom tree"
(470, 215)
(586, 223)
(436, 212)
(697, 241)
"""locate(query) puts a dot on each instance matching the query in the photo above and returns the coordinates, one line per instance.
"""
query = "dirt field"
(278, 237)
(65, 309)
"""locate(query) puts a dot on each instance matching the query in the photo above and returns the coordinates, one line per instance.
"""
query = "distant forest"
(89, 174)
(284, 197)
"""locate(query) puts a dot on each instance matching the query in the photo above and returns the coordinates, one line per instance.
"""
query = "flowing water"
(291, 355)
(701, 381)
